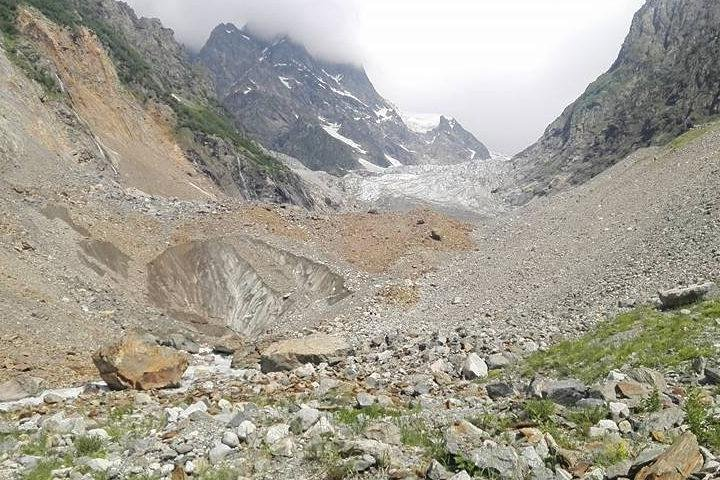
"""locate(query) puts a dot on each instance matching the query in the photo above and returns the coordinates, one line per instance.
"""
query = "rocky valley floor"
(421, 344)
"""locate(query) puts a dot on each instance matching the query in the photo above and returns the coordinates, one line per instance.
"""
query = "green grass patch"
(218, 474)
(585, 418)
(42, 470)
(540, 411)
(644, 337)
(692, 135)
(37, 447)
(612, 453)
(493, 423)
(651, 404)
(702, 422)
(89, 446)
(359, 418)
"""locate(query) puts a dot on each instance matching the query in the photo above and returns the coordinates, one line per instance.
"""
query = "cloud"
(505, 69)
(327, 28)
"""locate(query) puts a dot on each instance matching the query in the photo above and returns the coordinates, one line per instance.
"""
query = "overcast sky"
(504, 68)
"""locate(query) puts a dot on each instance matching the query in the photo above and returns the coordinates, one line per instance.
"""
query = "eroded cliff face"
(137, 139)
(151, 113)
(665, 80)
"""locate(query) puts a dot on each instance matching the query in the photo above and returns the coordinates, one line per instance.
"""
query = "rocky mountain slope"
(329, 116)
(664, 81)
(147, 106)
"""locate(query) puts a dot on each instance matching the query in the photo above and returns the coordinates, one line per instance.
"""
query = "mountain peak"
(327, 115)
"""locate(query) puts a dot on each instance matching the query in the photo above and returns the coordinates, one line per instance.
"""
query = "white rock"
(277, 433)
(189, 467)
(625, 427)
(284, 447)
(195, 407)
(98, 464)
(224, 405)
(474, 367)
(305, 371)
(619, 410)
(608, 425)
(245, 429)
(321, 427)
(218, 453)
(98, 432)
(306, 417)
(231, 439)
(172, 414)
(461, 476)
(365, 399)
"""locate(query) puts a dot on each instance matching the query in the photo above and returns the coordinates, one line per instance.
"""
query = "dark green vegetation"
(89, 446)
(198, 115)
(644, 337)
(702, 422)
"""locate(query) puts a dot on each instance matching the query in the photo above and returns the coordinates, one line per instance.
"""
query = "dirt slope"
(138, 141)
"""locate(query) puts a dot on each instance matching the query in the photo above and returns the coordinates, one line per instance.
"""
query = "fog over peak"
(505, 69)
(304, 21)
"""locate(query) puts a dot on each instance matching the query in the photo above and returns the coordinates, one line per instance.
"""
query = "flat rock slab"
(291, 354)
(134, 363)
(20, 387)
(677, 463)
(677, 297)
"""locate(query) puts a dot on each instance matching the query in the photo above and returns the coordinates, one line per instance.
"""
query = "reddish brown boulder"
(137, 364)
(677, 463)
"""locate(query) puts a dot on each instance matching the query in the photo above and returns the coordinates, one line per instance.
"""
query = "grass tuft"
(644, 337)
(89, 446)
(702, 422)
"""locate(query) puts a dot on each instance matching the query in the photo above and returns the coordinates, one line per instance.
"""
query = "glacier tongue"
(464, 188)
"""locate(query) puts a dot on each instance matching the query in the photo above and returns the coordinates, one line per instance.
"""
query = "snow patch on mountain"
(421, 122)
(333, 129)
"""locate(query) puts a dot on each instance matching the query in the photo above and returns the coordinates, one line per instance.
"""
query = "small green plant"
(587, 417)
(37, 447)
(613, 452)
(651, 404)
(540, 411)
(89, 446)
(358, 418)
(218, 474)
(325, 453)
(121, 411)
(702, 423)
(43, 470)
(492, 423)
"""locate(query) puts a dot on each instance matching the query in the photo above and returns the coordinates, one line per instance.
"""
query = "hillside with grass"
(156, 70)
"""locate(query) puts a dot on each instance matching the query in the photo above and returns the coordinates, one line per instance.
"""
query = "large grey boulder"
(499, 460)
(677, 297)
(315, 349)
(563, 392)
(20, 387)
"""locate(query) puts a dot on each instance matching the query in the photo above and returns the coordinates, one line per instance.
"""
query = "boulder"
(179, 341)
(474, 367)
(138, 364)
(677, 463)
(563, 392)
(677, 297)
(497, 460)
(20, 387)
(315, 349)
